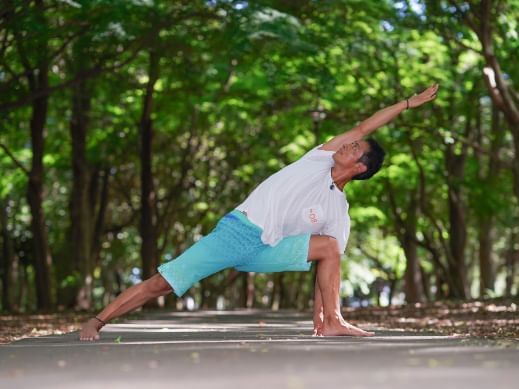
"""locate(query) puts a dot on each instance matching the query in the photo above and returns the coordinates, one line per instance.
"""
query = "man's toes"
(356, 331)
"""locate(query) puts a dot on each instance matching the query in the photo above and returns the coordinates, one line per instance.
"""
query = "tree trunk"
(148, 217)
(80, 211)
(41, 254)
(500, 89)
(274, 299)
(243, 289)
(426, 284)
(486, 269)
(436, 245)
(38, 81)
(392, 286)
(6, 259)
(405, 229)
(455, 169)
(278, 300)
(457, 223)
(251, 291)
(511, 259)
(486, 215)
(100, 218)
(515, 164)
(16, 290)
(413, 278)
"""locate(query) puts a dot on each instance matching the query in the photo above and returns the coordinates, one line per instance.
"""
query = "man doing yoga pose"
(297, 216)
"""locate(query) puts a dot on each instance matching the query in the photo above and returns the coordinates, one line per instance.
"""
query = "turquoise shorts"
(235, 242)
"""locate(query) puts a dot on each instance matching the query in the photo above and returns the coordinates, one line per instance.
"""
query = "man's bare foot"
(90, 330)
(340, 327)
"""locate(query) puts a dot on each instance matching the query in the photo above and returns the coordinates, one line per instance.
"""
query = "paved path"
(244, 349)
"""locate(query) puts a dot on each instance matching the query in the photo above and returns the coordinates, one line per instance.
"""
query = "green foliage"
(233, 104)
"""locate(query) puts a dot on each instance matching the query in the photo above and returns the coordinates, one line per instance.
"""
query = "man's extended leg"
(324, 249)
(224, 247)
(127, 301)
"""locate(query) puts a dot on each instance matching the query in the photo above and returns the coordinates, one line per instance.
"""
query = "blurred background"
(128, 128)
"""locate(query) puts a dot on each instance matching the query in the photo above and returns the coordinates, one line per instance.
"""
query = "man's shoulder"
(316, 155)
(319, 151)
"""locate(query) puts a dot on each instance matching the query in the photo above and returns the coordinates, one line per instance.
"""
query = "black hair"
(373, 159)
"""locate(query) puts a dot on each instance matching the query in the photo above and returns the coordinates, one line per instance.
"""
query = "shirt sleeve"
(340, 230)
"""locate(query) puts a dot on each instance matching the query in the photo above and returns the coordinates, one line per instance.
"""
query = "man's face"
(349, 153)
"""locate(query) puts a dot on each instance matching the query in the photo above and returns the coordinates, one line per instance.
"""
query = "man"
(295, 217)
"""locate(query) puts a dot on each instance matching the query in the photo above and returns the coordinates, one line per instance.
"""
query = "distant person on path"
(297, 216)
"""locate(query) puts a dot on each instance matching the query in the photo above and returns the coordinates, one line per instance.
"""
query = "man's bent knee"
(323, 247)
(332, 246)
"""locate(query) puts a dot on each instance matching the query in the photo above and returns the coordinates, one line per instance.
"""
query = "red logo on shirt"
(313, 216)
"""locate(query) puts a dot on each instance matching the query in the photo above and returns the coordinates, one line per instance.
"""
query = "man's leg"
(127, 301)
(325, 250)
(318, 308)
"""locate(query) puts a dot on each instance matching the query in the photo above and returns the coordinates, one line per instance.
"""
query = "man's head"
(362, 159)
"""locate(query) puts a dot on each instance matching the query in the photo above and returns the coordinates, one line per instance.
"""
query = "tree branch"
(378, 262)
(82, 76)
(13, 158)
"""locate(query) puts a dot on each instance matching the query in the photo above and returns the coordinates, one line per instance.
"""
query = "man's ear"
(360, 168)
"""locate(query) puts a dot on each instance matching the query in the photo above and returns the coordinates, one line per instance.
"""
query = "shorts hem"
(170, 281)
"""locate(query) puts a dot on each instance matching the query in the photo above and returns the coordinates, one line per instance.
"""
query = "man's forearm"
(381, 118)
(366, 127)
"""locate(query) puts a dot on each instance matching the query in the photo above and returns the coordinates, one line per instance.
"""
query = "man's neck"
(340, 179)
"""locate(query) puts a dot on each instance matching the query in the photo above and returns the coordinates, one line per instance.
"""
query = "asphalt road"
(251, 349)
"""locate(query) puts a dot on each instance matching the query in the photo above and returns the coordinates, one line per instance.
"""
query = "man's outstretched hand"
(422, 98)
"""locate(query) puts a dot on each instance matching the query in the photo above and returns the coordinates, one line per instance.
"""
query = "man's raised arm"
(380, 119)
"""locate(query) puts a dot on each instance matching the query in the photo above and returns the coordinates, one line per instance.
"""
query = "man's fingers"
(427, 95)
(432, 89)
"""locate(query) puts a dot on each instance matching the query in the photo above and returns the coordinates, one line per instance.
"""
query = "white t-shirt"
(298, 200)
